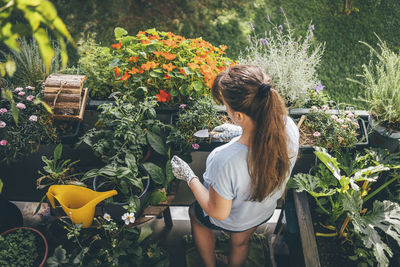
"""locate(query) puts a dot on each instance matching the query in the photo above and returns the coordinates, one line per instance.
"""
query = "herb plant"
(19, 248)
(290, 61)
(341, 192)
(381, 82)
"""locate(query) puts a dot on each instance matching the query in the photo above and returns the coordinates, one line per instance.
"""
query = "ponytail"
(247, 89)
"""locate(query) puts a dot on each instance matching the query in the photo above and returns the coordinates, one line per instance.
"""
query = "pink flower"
(30, 97)
(343, 126)
(33, 118)
(3, 142)
(314, 108)
(19, 89)
(340, 121)
(30, 87)
(316, 134)
(21, 106)
(350, 115)
(325, 107)
(334, 117)
(348, 119)
(3, 110)
(2, 124)
(182, 105)
(195, 146)
(21, 93)
(356, 125)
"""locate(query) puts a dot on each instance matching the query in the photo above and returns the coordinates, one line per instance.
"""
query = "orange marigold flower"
(141, 33)
(134, 70)
(168, 67)
(125, 77)
(182, 71)
(163, 96)
(169, 56)
(170, 43)
(117, 71)
(133, 59)
(117, 46)
(154, 37)
(157, 53)
(149, 65)
(223, 47)
(145, 41)
(166, 76)
(193, 66)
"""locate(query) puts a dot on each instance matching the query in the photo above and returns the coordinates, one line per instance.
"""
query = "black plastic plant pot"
(93, 104)
(10, 215)
(73, 133)
(116, 209)
(383, 137)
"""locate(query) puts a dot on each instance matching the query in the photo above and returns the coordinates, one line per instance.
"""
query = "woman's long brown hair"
(268, 159)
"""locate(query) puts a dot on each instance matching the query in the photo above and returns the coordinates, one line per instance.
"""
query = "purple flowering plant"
(291, 60)
(24, 124)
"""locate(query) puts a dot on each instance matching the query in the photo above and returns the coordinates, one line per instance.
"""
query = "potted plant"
(24, 124)
(23, 246)
(382, 95)
(290, 60)
(341, 189)
(110, 244)
(126, 132)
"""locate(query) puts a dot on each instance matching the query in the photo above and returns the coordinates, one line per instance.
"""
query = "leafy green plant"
(381, 82)
(95, 64)
(20, 248)
(109, 245)
(31, 68)
(290, 61)
(341, 191)
(329, 130)
(169, 66)
(24, 125)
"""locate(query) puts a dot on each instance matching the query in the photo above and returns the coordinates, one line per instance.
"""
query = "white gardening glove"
(182, 170)
(226, 132)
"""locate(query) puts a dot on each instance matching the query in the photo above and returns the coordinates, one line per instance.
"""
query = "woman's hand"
(182, 170)
(226, 132)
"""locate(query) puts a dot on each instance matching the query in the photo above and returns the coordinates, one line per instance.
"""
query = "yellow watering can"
(78, 202)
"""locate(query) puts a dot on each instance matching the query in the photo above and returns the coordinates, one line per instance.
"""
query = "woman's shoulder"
(228, 153)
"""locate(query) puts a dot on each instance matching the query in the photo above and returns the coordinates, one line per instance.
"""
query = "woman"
(245, 177)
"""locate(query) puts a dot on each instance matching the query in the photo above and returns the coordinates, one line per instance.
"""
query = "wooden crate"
(66, 96)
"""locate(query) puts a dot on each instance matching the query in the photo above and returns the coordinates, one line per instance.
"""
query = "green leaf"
(11, 67)
(119, 32)
(157, 143)
(157, 196)
(79, 258)
(168, 173)
(329, 161)
(130, 161)
(58, 257)
(1, 186)
(57, 152)
(155, 74)
(156, 173)
(46, 49)
(197, 85)
(310, 184)
(145, 231)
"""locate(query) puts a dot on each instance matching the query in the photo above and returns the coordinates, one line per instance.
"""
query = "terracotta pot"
(43, 238)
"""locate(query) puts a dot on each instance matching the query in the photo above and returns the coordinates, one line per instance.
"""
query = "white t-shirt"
(227, 172)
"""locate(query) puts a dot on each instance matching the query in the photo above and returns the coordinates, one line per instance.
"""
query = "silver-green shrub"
(290, 61)
(381, 81)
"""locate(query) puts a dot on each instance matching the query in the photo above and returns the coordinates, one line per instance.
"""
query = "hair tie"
(264, 89)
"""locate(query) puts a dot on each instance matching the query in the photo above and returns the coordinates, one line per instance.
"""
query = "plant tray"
(66, 96)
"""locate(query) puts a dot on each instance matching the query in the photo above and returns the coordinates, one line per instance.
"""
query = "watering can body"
(78, 202)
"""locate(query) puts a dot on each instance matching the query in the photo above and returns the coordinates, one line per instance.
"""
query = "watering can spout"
(78, 202)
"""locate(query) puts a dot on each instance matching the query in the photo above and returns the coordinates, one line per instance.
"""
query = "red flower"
(163, 96)
(117, 46)
(166, 76)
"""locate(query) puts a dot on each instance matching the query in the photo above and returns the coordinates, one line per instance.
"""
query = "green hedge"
(226, 22)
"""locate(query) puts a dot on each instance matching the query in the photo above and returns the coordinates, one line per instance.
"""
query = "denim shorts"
(205, 220)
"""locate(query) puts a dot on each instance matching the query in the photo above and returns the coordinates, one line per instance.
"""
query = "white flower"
(33, 118)
(107, 217)
(2, 124)
(128, 218)
(30, 87)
